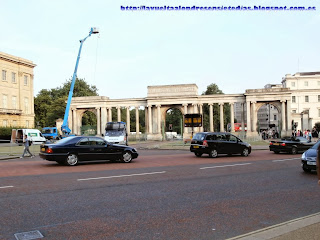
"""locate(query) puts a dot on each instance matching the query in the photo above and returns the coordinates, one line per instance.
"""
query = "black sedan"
(291, 145)
(309, 158)
(71, 150)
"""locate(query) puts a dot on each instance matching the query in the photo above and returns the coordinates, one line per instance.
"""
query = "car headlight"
(303, 157)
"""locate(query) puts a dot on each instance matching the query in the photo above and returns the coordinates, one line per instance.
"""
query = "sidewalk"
(304, 228)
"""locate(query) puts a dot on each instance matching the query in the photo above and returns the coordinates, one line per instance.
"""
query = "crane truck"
(65, 130)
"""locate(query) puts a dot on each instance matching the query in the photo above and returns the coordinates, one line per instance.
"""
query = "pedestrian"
(26, 147)
(309, 136)
(318, 165)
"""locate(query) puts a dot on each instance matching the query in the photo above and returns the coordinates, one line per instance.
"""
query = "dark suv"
(214, 143)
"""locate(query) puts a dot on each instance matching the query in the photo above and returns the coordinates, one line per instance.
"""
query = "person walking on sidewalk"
(318, 164)
(26, 147)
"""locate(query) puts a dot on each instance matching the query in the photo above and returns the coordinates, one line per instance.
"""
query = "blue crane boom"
(65, 128)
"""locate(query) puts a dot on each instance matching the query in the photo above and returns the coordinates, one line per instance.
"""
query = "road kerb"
(280, 229)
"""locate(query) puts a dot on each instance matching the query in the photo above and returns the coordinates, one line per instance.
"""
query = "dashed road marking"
(233, 165)
(120, 176)
(288, 159)
(6, 187)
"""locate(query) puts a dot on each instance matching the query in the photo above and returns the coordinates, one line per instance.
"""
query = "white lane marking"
(119, 176)
(242, 164)
(6, 187)
(288, 159)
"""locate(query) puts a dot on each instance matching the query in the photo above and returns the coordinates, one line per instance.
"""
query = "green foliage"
(174, 117)
(211, 90)
(49, 105)
(5, 132)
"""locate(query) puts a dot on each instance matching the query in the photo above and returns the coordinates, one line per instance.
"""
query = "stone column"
(195, 108)
(110, 114)
(248, 117)
(243, 128)
(221, 117)
(232, 116)
(119, 113)
(289, 120)
(159, 119)
(137, 121)
(149, 119)
(128, 120)
(185, 106)
(201, 112)
(211, 116)
(103, 119)
(98, 121)
(74, 121)
(254, 117)
(283, 116)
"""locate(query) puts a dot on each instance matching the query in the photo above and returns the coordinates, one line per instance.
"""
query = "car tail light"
(49, 150)
(283, 144)
(270, 143)
(205, 143)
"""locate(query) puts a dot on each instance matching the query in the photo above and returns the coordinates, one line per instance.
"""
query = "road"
(161, 195)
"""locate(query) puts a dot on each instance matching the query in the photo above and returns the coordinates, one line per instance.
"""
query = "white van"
(34, 135)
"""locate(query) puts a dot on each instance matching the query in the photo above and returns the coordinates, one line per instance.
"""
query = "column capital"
(127, 107)
(231, 103)
(282, 101)
(118, 107)
(149, 106)
(97, 108)
(200, 104)
(254, 102)
(158, 105)
(136, 107)
(210, 104)
(194, 104)
(221, 104)
(185, 104)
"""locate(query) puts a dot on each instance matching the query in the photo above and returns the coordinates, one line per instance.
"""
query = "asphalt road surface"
(160, 195)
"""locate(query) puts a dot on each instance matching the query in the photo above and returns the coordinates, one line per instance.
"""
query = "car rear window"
(199, 136)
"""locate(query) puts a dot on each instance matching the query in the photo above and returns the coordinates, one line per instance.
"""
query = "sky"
(237, 50)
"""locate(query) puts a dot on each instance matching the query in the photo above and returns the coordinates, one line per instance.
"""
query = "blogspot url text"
(217, 8)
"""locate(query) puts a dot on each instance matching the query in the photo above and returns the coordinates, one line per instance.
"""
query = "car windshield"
(46, 131)
(199, 136)
(316, 145)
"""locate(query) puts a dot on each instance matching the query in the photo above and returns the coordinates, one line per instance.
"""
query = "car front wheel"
(126, 157)
(305, 169)
(72, 160)
(245, 152)
(213, 153)
(294, 150)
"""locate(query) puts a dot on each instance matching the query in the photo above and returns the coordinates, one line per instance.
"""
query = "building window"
(5, 123)
(14, 123)
(318, 83)
(4, 101)
(274, 117)
(26, 105)
(27, 124)
(14, 102)
(13, 77)
(318, 98)
(294, 111)
(293, 99)
(306, 98)
(318, 112)
(306, 83)
(4, 75)
(293, 84)
(26, 80)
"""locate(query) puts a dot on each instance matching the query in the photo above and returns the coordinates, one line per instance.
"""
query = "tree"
(49, 105)
(211, 90)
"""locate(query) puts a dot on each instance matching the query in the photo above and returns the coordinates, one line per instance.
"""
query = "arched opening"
(88, 124)
(269, 122)
(173, 126)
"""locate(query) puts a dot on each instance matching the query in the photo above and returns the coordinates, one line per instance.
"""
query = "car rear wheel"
(294, 150)
(276, 152)
(72, 160)
(245, 152)
(126, 157)
(198, 154)
(213, 153)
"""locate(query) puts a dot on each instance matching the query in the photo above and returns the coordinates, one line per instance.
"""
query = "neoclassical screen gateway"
(184, 97)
